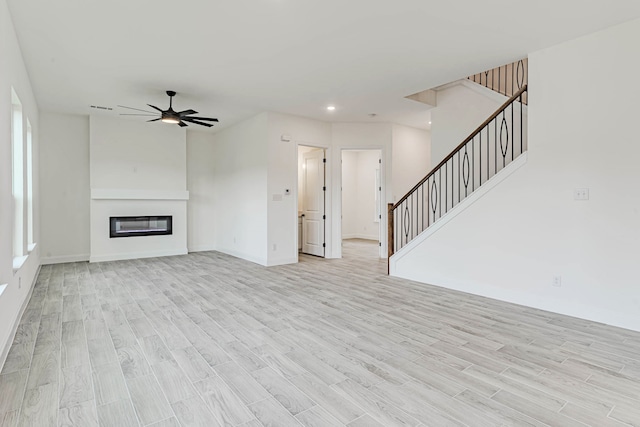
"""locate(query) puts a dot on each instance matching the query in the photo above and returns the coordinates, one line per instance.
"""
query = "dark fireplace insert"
(130, 226)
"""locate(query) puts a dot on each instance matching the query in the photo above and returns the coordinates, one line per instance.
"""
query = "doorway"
(311, 200)
(362, 200)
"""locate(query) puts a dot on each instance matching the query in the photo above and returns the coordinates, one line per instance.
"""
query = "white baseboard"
(16, 321)
(202, 248)
(359, 236)
(250, 258)
(283, 261)
(137, 255)
(63, 259)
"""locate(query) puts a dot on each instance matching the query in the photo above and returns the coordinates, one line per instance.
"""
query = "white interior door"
(313, 204)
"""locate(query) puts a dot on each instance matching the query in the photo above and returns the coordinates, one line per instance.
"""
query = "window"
(30, 238)
(17, 148)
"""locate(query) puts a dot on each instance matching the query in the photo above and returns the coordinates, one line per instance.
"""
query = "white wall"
(65, 193)
(359, 194)
(19, 283)
(411, 158)
(240, 166)
(201, 218)
(253, 152)
(359, 136)
(459, 112)
(129, 154)
(137, 169)
(582, 133)
(283, 175)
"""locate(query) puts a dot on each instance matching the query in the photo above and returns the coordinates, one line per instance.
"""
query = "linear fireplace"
(130, 226)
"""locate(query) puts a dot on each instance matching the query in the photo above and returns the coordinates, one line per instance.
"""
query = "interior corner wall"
(13, 74)
(511, 243)
(240, 165)
(201, 218)
(64, 199)
(411, 158)
(459, 112)
(282, 237)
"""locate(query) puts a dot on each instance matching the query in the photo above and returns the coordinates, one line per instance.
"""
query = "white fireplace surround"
(106, 203)
(126, 194)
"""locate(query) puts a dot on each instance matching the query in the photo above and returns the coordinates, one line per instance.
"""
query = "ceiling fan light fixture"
(170, 119)
(173, 117)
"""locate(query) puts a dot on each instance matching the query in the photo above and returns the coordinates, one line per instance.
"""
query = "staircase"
(491, 147)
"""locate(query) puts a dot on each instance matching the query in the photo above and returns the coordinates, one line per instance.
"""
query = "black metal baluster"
(512, 142)
(453, 202)
(428, 204)
(395, 228)
(512, 78)
(480, 159)
(422, 205)
(446, 203)
(487, 152)
(459, 176)
(418, 212)
(439, 191)
(411, 218)
(495, 147)
(400, 227)
(521, 124)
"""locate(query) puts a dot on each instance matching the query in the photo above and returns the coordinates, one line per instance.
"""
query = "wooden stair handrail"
(462, 144)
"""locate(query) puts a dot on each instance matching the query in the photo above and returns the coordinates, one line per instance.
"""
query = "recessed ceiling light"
(429, 121)
(331, 108)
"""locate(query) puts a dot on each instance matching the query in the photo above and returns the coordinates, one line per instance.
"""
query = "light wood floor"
(207, 339)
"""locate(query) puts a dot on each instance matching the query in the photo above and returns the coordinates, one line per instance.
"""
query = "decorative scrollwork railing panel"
(489, 149)
(506, 79)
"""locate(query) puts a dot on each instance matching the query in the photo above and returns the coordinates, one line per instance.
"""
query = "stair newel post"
(390, 241)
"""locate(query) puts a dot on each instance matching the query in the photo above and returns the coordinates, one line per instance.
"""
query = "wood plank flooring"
(209, 340)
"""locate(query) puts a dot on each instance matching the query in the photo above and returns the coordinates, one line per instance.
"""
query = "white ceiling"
(232, 59)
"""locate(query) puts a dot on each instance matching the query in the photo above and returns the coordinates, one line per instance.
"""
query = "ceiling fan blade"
(154, 120)
(156, 108)
(151, 115)
(182, 124)
(210, 119)
(188, 119)
(187, 112)
(137, 109)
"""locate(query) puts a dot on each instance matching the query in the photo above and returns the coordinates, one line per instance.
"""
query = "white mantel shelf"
(122, 194)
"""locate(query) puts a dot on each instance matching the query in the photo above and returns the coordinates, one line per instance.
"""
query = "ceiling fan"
(171, 116)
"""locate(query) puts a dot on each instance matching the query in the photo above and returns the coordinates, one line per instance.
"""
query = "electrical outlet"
(581, 194)
(19, 282)
(275, 247)
(556, 281)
